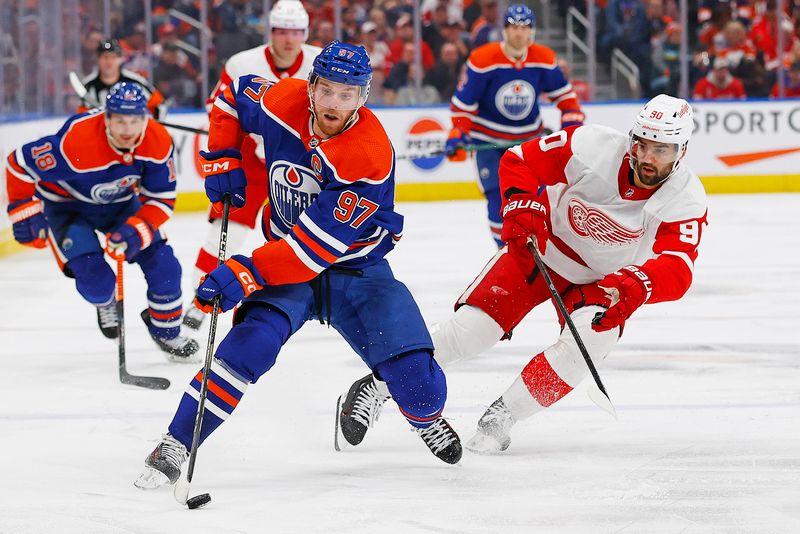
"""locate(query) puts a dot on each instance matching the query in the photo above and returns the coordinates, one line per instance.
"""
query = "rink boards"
(737, 147)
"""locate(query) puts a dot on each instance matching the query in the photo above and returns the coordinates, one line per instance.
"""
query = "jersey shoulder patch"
(246, 62)
(541, 54)
(156, 145)
(599, 148)
(488, 56)
(368, 140)
(84, 145)
(287, 101)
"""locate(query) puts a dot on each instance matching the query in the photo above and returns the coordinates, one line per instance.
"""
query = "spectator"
(89, 44)
(453, 33)
(629, 30)
(721, 14)
(377, 51)
(431, 30)
(485, 29)
(719, 84)
(764, 33)
(173, 80)
(580, 87)
(378, 17)
(168, 35)
(349, 25)
(323, 33)
(399, 87)
(233, 33)
(667, 61)
(791, 84)
(732, 42)
(404, 34)
(445, 73)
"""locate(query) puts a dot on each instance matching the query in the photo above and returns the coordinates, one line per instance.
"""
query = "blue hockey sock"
(417, 385)
(164, 301)
(247, 352)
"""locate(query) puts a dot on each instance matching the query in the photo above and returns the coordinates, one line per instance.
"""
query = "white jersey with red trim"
(599, 220)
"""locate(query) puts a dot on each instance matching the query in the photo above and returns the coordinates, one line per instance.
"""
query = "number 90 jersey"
(331, 200)
(599, 220)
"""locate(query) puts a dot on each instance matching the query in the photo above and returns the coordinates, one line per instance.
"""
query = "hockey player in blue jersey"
(111, 173)
(497, 101)
(328, 226)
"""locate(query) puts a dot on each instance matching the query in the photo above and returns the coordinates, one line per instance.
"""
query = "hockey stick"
(80, 90)
(150, 382)
(603, 401)
(468, 148)
(181, 492)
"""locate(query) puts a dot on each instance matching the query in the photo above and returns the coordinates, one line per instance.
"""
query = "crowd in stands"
(732, 44)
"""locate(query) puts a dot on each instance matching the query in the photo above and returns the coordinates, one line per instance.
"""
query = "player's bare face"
(285, 45)
(125, 130)
(518, 37)
(334, 104)
(654, 161)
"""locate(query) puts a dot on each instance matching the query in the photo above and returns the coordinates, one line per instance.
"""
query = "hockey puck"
(199, 501)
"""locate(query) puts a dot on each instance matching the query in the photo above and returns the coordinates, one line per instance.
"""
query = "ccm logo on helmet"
(215, 166)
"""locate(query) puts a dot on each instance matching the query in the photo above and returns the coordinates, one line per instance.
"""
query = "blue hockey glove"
(129, 239)
(572, 117)
(223, 172)
(456, 140)
(233, 281)
(29, 222)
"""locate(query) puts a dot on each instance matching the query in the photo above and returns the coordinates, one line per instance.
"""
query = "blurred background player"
(329, 225)
(111, 173)
(286, 56)
(109, 72)
(618, 220)
(497, 101)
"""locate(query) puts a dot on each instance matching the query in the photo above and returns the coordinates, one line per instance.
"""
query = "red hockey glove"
(525, 215)
(223, 172)
(130, 238)
(29, 222)
(233, 281)
(627, 289)
(456, 140)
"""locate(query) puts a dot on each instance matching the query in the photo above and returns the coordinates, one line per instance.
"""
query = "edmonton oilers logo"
(292, 190)
(109, 192)
(515, 99)
(426, 136)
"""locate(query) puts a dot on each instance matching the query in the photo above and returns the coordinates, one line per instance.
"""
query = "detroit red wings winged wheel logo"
(593, 223)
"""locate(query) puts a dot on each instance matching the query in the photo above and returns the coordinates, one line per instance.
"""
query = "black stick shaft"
(212, 332)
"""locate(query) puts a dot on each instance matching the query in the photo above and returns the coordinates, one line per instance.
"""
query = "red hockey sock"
(543, 382)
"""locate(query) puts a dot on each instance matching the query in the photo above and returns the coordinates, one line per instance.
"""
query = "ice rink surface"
(707, 390)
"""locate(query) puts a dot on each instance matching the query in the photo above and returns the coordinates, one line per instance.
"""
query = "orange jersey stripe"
(218, 391)
(313, 245)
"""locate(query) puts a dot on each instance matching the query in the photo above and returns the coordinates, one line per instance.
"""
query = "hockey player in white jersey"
(286, 56)
(618, 220)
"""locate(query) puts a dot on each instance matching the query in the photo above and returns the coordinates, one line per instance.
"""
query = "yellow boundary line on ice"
(196, 200)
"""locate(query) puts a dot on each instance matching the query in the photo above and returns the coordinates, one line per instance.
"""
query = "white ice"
(707, 390)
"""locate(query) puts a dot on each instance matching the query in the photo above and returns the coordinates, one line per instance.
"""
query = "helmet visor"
(337, 96)
(646, 151)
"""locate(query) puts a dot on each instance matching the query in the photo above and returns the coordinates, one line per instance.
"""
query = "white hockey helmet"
(664, 119)
(289, 14)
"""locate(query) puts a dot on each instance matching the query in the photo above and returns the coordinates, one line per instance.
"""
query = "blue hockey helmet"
(343, 63)
(520, 15)
(126, 98)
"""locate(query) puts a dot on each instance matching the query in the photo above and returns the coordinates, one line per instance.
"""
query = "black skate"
(163, 465)
(493, 430)
(193, 317)
(180, 348)
(358, 409)
(108, 320)
(442, 440)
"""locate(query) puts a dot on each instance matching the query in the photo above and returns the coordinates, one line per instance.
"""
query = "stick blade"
(601, 400)
(181, 491)
(149, 382)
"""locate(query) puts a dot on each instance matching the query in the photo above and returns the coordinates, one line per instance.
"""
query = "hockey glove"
(29, 222)
(130, 238)
(456, 140)
(627, 289)
(223, 172)
(572, 117)
(232, 281)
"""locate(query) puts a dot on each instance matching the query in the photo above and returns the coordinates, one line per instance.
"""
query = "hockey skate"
(357, 409)
(442, 440)
(179, 349)
(108, 320)
(193, 318)
(163, 465)
(493, 428)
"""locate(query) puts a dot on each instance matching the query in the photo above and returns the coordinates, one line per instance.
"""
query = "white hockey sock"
(207, 257)
(469, 332)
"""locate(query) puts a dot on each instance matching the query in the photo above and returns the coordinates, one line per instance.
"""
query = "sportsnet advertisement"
(736, 147)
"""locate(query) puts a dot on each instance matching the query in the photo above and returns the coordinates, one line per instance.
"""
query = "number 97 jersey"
(600, 221)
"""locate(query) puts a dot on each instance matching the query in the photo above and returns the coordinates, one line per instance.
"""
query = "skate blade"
(195, 358)
(484, 444)
(151, 479)
(339, 443)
